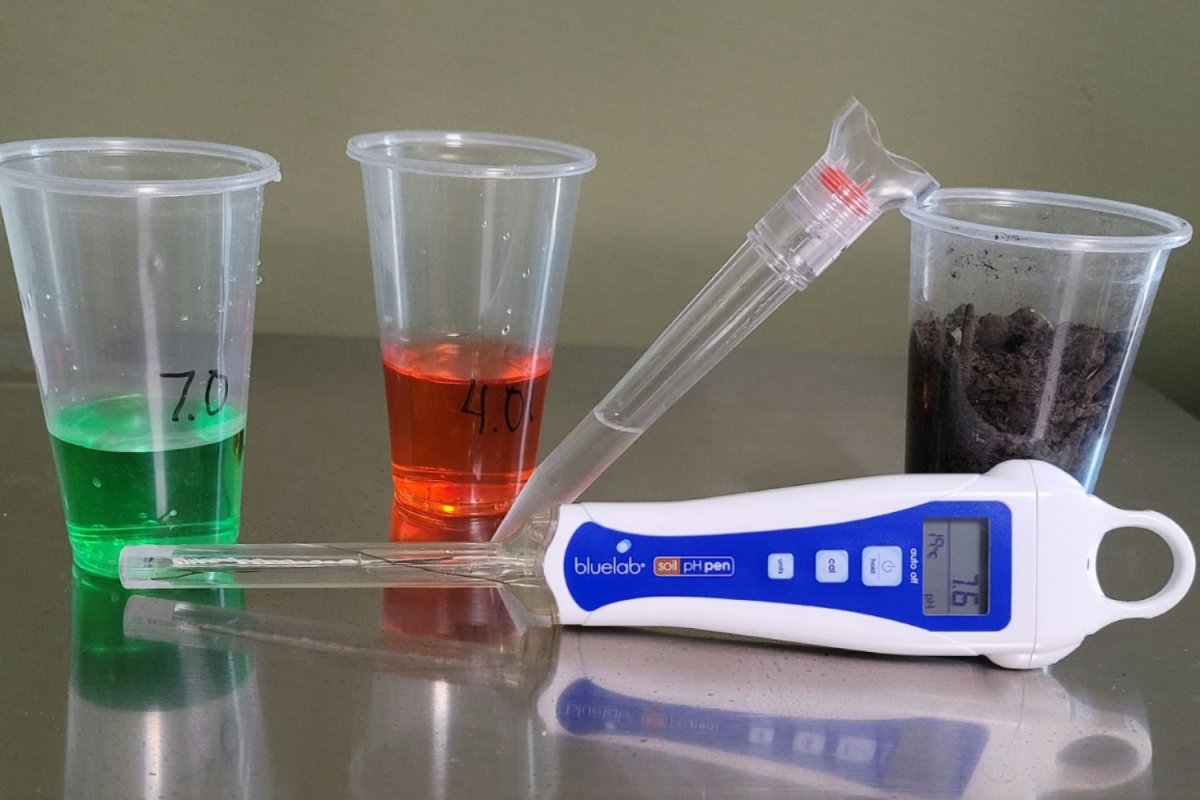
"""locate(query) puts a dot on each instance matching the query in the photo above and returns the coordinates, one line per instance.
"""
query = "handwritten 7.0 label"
(216, 392)
(693, 566)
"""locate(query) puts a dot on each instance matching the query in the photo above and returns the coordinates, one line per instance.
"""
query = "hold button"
(882, 566)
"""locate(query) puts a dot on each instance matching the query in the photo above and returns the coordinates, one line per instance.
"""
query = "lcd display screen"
(954, 573)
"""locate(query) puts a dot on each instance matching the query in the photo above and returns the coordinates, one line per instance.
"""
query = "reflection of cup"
(1027, 310)
(462, 683)
(113, 669)
(146, 716)
(489, 657)
(136, 262)
(474, 614)
(469, 240)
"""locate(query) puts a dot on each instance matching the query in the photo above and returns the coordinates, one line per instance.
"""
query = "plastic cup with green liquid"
(136, 263)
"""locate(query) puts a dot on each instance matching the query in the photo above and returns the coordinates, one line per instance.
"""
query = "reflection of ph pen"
(949, 730)
(758, 564)
(946, 730)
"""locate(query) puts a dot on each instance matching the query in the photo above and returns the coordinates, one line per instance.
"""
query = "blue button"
(833, 566)
(780, 566)
(882, 566)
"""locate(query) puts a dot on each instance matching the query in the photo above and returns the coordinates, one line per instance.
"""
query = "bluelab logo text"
(614, 566)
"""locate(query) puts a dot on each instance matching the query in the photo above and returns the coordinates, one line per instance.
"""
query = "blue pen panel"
(941, 566)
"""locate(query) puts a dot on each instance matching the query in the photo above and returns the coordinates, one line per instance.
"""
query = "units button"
(780, 566)
(833, 566)
(882, 566)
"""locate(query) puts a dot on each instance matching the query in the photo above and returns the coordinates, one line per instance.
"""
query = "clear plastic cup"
(136, 261)
(1027, 309)
(470, 234)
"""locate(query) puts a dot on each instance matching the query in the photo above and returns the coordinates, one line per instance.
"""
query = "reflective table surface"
(459, 693)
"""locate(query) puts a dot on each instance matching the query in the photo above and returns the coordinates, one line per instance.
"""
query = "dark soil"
(981, 390)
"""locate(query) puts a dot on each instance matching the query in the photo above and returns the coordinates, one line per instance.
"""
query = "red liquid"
(464, 614)
(410, 525)
(464, 417)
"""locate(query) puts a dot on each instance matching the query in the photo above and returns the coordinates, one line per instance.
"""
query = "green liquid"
(129, 475)
(116, 670)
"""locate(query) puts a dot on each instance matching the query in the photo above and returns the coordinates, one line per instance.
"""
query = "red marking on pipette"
(843, 187)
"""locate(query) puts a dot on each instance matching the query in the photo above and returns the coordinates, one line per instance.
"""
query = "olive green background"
(701, 113)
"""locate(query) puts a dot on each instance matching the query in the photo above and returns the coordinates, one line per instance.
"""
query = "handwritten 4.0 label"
(515, 408)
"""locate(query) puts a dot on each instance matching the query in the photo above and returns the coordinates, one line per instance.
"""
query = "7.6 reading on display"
(955, 573)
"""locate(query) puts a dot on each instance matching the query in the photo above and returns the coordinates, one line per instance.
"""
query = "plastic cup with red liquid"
(470, 234)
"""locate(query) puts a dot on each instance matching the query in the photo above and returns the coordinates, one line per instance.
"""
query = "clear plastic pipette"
(854, 182)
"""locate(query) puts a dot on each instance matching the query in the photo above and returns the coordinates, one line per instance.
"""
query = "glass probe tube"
(515, 563)
(331, 565)
(854, 182)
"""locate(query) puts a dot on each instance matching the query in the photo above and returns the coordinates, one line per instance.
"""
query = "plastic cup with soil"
(1026, 312)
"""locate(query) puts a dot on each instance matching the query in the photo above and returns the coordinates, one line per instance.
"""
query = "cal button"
(833, 566)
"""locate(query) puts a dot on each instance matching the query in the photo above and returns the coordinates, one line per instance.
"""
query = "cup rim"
(261, 168)
(364, 149)
(1176, 230)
